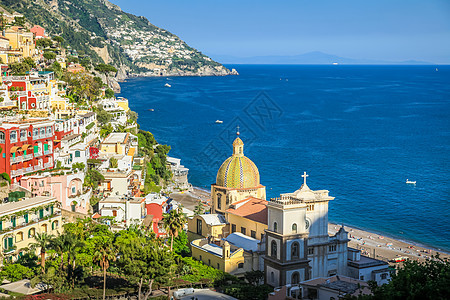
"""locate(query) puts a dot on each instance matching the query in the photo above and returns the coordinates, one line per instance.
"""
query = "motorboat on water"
(167, 85)
(410, 182)
(151, 109)
(219, 122)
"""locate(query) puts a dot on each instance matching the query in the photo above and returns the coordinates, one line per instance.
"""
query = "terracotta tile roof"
(250, 208)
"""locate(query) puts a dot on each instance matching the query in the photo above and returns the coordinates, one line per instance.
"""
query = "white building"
(125, 210)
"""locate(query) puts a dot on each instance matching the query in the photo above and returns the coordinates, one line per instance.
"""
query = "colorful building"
(27, 146)
(21, 220)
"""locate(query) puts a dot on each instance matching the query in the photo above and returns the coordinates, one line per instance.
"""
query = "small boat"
(167, 85)
(219, 122)
(151, 109)
(437, 69)
(410, 182)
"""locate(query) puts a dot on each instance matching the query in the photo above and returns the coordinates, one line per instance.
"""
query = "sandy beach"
(383, 247)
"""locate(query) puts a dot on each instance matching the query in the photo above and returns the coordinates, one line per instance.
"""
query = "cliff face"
(103, 32)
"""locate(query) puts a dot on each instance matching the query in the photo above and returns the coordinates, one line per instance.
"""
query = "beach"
(371, 244)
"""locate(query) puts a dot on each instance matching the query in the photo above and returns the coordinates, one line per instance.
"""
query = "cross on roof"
(304, 177)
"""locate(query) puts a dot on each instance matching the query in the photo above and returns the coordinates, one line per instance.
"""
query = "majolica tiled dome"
(238, 171)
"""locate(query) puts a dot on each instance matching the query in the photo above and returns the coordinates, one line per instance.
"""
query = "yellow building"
(123, 102)
(119, 143)
(237, 179)
(235, 255)
(249, 217)
(21, 220)
(21, 39)
(208, 225)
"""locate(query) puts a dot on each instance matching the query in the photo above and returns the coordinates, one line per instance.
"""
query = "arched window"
(294, 228)
(55, 225)
(2, 137)
(295, 250)
(240, 265)
(219, 201)
(44, 228)
(19, 237)
(295, 278)
(272, 277)
(77, 153)
(273, 249)
(31, 232)
(275, 226)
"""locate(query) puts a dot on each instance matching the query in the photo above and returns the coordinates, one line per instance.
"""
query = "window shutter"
(45, 147)
(36, 149)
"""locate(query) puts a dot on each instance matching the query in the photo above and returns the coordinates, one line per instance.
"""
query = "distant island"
(312, 58)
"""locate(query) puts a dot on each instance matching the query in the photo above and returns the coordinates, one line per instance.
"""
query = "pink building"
(67, 189)
(38, 32)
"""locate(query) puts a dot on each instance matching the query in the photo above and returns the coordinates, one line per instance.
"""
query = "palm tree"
(104, 253)
(42, 241)
(173, 223)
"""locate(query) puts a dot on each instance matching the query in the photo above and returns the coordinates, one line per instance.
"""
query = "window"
(243, 230)
(361, 277)
(42, 132)
(295, 250)
(77, 153)
(310, 250)
(49, 130)
(240, 265)
(219, 201)
(2, 137)
(209, 262)
(272, 277)
(19, 237)
(114, 213)
(35, 133)
(295, 278)
(273, 249)
(383, 276)
(275, 226)
(200, 258)
(54, 225)
(23, 134)
(218, 266)
(73, 190)
(233, 228)
(262, 236)
(253, 234)
(13, 221)
(41, 213)
(294, 228)
(199, 226)
(13, 136)
(25, 218)
(310, 207)
(332, 248)
(8, 243)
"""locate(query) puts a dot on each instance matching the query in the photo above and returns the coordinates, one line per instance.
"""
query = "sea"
(358, 131)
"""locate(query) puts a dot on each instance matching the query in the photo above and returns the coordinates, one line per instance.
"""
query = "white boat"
(410, 182)
(219, 122)
(168, 85)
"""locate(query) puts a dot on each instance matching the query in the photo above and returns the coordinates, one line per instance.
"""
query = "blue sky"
(393, 30)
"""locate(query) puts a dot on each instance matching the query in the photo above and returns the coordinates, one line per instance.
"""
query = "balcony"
(48, 165)
(28, 170)
(16, 172)
(16, 159)
(47, 152)
(36, 154)
(37, 168)
(8, 103)
(28, 157)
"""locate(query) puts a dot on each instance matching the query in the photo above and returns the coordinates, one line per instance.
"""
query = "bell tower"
(286, 260)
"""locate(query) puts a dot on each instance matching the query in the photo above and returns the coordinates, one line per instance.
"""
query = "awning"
(25, 147)
(14, 149)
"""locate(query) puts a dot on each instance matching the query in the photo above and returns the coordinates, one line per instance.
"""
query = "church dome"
(238, 171)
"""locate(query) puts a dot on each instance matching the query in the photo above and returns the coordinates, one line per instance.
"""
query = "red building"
(26, 146)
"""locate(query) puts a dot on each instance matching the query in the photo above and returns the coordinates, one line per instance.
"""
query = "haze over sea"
(358, 131)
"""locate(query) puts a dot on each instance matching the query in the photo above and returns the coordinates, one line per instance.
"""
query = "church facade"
(297, 244)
